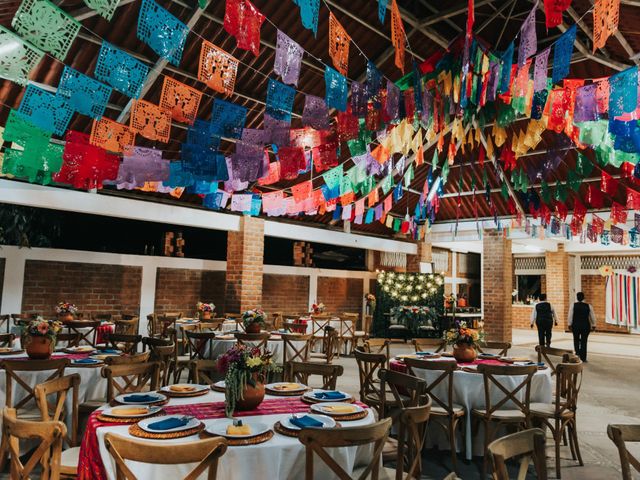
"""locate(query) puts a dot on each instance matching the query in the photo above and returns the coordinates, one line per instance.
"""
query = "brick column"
(245, 255)
(423, 255)
(497, 278)
(557, 279)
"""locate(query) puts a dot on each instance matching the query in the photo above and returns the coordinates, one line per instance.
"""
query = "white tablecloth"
(281, 458)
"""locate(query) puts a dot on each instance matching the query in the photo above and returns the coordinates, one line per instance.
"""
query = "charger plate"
(136, 431)
(240, 442)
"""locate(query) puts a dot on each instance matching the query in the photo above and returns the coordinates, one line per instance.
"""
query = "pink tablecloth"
(102, 331)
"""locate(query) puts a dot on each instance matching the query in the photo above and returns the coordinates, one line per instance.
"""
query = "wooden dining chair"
(295, 348)
(47, 435)
(406, 391)
(87, 329)
(254, 340)
(153, 328)
(319, 326)
(529, 445)
(503, 388)
(435, 345)
(126, 327)
(161, 350)
(213, 325)
(101, 317)
(317, 440)
(122, 341)
(301, 371)
(363, 333)
(346, 334)
(444, 412)
(620, 435)
(370, 389)
(13, 372)
(203, 372)
(130, 378)
(499, 348)
(5, 322)
(551, 356)
(57, 411)
(379, 345)
(560, 416)
(6, 340)
(141, 357)
(198, 343)
(329, 345)
(205, 453)
(67, 340)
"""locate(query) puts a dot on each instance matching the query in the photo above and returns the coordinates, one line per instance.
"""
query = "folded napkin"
(305, 422)
(329, 395)
(425, 353)
(182, 388)
(131, 411)
(85, 360)
(140, 398)
(287, 386)
(169, 423)
(109, 350)
(340, 408)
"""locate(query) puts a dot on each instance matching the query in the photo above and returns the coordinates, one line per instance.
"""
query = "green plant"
(28, 227)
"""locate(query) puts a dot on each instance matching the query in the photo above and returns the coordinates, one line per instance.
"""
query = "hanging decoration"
(562, 51)
(111, 136)
(540, 72)
(45, 110)
(227, 119)
(280, 98)
(17, 58)
(553, 10)
(382, 10)
(623, 92)
(181, 100)
(164, 33)
(288, 59)
(339, 41)
(398, 36)
(84, 94)
(86, 165)
(622, 300)
(315, 113)
(606, 14)
(336, 89)
(139, 166)
(120, 70)
(309, 10)
(528, 37)
(150, 121)
(104, 8)
(244, 21)
(217, 68)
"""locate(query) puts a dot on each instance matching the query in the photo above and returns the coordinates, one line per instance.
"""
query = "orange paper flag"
(150, 121)
(420, 156)
(398, 37)
(181, 100)
(606, 14)
(339, 41)
(217, 68)
(111, 135)
(381, 154)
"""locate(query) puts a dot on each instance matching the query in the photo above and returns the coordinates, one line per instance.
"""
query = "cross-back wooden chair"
(161, 350)
(198, 343)
(370, 389)
(407, 390)
(501, 347)
(102, 317)
(528, 444)
(67, 340)
(166, 321)
(295, 348)
(258, 340)
(13, 369)
(205, 453)
(301, 371)
(213, 325)
(363, 333)
(379, 345)
(348, 322)
(317, 440)
(506, 383)
(551, 356)
(435, 345)
(277, 319)
(203, 372)
(22, 319)
(122, 341)
(130, 378)
(126, 327)
(329, 345)
(80, 327)
(318, 327)
(5, 321)
(61, 388)
(444, 412)
(560, 416)
(153, 329)
(6, 339)
(620, 435)
(48, 435)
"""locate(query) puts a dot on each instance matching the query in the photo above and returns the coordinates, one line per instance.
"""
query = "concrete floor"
(610, 394)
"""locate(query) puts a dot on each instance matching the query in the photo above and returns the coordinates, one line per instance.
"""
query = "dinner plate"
(274, 387)
(10, 351)
(144, 424)
(80, 349)
(327, 422)
(103, 356)
(427, 354)
(86, 361)
(219, 427)
(196, 388)
(219, 384)
(158, 398)
(114, 412)
(312, 396)
(323, 408)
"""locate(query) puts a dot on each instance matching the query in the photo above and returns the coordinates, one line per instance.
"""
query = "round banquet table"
(280, 458)
(468, 391)
(221, 344)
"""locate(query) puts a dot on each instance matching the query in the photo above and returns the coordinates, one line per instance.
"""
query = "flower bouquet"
(299, 325)
(205, 310)
(244, 369)
(38, 337)
(317, 308)
(370, 298)
(465, 341)
(66, 311)
(254, 320)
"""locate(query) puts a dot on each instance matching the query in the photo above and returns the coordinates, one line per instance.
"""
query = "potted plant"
(254, 320)
(39, 338)
(317, 308)
(465, 341)
(66, 311)
(205, 310)
(245, 369)
(370, 298)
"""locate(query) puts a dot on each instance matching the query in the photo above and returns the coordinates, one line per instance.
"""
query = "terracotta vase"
(464, 353)
(462, 302)
(65, 317)
(252, 396)
(205, 315)
(253, 328)
(38, 348)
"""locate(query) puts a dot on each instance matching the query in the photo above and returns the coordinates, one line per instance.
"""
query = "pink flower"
(43, 328)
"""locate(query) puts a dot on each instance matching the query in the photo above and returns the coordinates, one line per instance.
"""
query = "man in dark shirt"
(582, 321)
(544, 316)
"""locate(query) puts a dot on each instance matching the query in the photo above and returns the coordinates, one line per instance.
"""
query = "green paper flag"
(106, 8)
(445, 172)
(574, 181)
(17, 58)
(561, 192)
(434, 161)
(357, 147)
(604, 155)
(408, 177)
(504, 190)
(34, 165)
(396, 224)
(545, 192)
(583, 165)
(387, 184)
(485, 178)
(345, 185)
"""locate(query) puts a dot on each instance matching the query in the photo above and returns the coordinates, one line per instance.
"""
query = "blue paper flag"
(120, 70)
(256, 205)
(382, 11)
(200, 133)
(204, 163)
(623, 97)
(227, 119)
(374, 81)
(337, 213)
(178, 177)
(309, 14)
(213, 200)
(562, 52)
(164, 33)
(201, 187)
(85, 95)
(336, 89)
(280, 99)
(45, 110)
(397, 192)
(505, 72)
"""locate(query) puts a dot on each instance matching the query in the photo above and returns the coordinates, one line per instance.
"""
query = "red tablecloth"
(103, 330)
(399, 366)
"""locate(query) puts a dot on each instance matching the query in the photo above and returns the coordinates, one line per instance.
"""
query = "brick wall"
(178, 290)
(593, 287)
(557, 283)
(521, 316)
(340, 295)
(245, 256)
(92, 288)
(2, 260)
(497, 277)
(285, 293)
(423, 255)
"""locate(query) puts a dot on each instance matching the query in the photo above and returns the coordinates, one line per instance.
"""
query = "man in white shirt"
(544, 316)
(582, 321)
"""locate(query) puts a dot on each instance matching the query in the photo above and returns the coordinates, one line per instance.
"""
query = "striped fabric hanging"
(623, 300)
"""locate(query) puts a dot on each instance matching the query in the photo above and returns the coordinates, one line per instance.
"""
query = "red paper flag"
(553, 11)
(594, 196)
(339, 41)
(302, 190)
(243, 20)
(598, 224)
(633, 199)
(470, 18)
(562, 211)
(608, 184)
(292, 160)
(579, 210)
(618, 213)
(398, 37)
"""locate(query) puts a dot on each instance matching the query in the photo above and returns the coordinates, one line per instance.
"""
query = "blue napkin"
(425, 353)
(140, 398)
(169, 423)
(329, 395)
(86, 360)
(109, 350)
(305, 422)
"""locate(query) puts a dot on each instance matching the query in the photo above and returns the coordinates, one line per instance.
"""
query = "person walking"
(582, 321)
(544, 316)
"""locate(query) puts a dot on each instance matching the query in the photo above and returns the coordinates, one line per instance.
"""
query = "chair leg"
(574, 433)
(557, 439)
(572, 446)
(452, 442)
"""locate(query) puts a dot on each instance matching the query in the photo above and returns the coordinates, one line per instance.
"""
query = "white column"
(147, 295)
(454, 272)
(13, 284)
(313, 289)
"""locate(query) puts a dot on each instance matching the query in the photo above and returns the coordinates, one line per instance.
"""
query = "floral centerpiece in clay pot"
(39, 338)
(254, 320)
(205, 310)
(465, 341)
(66, 311)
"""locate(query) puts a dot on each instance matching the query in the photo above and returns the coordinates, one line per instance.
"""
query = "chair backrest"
(317, 440)
(205, 453)
(13, 368)
(87, 329)
(6, 339)
(407, 390)
(444, 369)
(57, 411)
(620, 434)
(121, 341)
(142, 357)
(368, 366)
(134, 377)
(163, 351)
(411, 436)
(429, 344)
(127, 327)
(530, 444)
(546, 354)
(509, 388)
(5, 320)
(152, 325)
(330, 341)
(198, 342)
(295, 348)
(258, 340)
(378, 345)
(501, 347)
(301, 371)
(568, 383)
(47, 435)
(203, 371)
(102, 317)
(318, 325)
(215, 324)
(71, 339)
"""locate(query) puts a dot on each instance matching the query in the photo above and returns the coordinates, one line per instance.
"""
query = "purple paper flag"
(586, 107)
(540, 73)
(288, 59)
(276, 131)
(393, 100)
(233, 184)
(358, 100)
(315, 113)
(494, 79)
(528, 38)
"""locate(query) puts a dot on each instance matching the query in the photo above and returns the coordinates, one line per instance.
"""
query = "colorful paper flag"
(244, 21)
(339, 41)
(217, 68)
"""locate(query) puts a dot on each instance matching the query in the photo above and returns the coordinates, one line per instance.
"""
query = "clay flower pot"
(253, 328)
(65, 317)
(205, 315)
(38, 348)
(252, 396)
(464, 353)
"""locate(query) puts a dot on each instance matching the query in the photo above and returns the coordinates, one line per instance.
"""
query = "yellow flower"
(254, 362)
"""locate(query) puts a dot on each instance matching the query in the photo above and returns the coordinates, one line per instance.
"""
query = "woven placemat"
(217, 389)
(185, 394)
(240, 442)
(287, 432)
(107, 418)
(311, 401)
(284, 393)
(12, 352)
(159, 403)
(136, 431)
(346, 418)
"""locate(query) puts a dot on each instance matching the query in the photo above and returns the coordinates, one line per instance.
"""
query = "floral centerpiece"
(370, 299)
(244, 371)
(317, 308)
(66, 311)
(205, 310)
(299, 325)
(465, 341)
(415, 316)
(450, 301)
(38, 337)
(253, 320)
